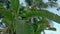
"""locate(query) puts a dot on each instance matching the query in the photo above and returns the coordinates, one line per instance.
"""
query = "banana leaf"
(43, 13)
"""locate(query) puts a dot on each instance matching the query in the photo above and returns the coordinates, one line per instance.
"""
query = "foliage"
(18, 23)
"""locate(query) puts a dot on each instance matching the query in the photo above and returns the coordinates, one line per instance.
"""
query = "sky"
(53, 10)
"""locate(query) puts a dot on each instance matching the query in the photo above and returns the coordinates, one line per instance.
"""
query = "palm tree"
(22, 23)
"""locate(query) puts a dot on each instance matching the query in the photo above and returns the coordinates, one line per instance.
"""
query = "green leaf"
(53, 29)
(1, 6)
(15, 5)
(43, 13)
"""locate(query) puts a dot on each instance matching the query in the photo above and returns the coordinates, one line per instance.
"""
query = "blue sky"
(53, 10)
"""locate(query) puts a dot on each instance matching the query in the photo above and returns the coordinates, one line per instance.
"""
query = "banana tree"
(19, 23)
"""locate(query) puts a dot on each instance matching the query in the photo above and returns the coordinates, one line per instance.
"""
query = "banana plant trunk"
(43, 32)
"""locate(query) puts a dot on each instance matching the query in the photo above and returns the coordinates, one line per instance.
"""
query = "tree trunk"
(43, 32)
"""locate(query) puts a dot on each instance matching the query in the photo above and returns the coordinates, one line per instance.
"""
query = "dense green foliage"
(18, 23)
